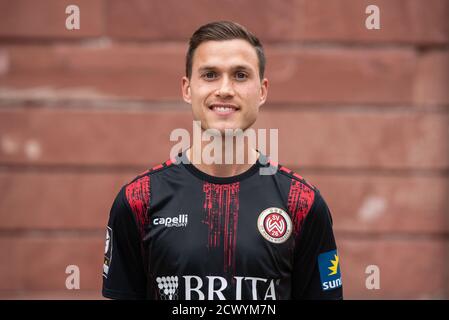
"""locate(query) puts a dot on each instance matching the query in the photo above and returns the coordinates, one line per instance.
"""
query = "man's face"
(225, 89)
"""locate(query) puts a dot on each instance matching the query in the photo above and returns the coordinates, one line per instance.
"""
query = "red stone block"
(432, 79)
(375, 203)
(333, 76)
(117, 138)
(174, 20)
(38, 261)
(71, 72)
(46, 19)
(89, 194)
(410, 267)
(364, 140)
(402, 21)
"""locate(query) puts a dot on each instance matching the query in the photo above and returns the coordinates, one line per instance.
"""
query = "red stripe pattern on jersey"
(221, 205)
(138, 196)
(300, 200)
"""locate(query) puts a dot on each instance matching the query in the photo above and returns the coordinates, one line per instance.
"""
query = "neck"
(229, 165)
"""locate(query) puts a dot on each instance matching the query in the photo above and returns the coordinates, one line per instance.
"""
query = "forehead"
(225, 54)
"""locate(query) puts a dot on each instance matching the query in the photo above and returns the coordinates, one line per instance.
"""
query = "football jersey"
(177, 233)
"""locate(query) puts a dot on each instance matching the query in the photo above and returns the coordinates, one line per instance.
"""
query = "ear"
(185, 87)
(263, 91)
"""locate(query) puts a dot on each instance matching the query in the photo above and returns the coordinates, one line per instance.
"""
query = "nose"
(226, 89)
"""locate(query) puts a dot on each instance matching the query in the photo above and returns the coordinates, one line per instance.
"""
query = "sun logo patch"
(274, 225)
(329, 265)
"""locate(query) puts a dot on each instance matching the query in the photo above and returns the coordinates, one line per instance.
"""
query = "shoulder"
(138, 189)
(295, 182)
(137, 192)
(296, 178)
(300, 194)
(134, 197)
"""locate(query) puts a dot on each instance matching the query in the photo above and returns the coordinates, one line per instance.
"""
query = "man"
(196, 230)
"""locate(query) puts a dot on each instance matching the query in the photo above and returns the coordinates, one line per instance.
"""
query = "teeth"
(223, 109)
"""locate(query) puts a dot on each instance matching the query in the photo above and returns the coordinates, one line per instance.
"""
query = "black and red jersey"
(175, 232)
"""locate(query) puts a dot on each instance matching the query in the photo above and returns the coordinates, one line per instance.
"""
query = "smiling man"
(224, 83)
(186, 230)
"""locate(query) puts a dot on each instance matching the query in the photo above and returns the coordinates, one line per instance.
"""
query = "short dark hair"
(219, 31)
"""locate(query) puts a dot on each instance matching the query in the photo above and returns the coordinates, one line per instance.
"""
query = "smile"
(223, 109)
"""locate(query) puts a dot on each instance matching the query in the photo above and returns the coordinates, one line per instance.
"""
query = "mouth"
(223, 108)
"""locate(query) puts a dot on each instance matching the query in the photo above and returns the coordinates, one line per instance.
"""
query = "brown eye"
(209, 75)
(241, 75)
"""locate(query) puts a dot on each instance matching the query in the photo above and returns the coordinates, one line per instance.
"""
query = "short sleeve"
(316, 273)
(123, 268)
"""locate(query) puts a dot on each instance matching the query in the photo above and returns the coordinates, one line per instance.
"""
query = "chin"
(222, 127)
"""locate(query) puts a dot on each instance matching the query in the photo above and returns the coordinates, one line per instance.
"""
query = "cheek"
(201, 87)
(252, 89)
(252, 97)
(197, 95)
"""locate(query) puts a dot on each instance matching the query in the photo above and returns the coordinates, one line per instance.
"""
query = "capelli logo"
(179, 221)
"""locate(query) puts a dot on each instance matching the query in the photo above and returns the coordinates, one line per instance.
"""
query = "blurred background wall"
(362, 114)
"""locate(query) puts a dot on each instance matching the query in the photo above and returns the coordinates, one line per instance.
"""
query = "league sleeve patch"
(107, 252)
(329, 266)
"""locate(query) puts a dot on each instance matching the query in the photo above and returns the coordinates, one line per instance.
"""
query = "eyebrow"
(237, 67)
